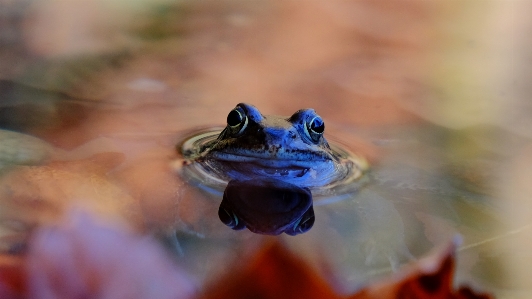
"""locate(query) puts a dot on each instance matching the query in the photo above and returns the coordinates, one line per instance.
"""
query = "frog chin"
(318, 175)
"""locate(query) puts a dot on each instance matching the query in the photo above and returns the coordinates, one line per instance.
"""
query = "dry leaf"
(81, 258)
(273, 273)
(430, 277)
(12, 282)
(277, 273)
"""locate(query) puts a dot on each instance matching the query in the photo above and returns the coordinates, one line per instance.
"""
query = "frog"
(271, 168)
(292, 149)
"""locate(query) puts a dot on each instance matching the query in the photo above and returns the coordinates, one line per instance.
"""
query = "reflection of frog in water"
(267, 207)
(290, 149)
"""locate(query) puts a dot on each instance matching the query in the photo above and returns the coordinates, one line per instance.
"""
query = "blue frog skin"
(271, 168)
(292, 149)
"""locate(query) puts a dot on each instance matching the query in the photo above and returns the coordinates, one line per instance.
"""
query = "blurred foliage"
(21, 149)
(28, 109)
(476, 154)
(162, 21)
(11, 19)
(66, 74)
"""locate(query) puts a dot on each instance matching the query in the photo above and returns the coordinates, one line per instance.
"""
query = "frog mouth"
(270, 163)
(254, 168)
(292, 171)
(271, 167)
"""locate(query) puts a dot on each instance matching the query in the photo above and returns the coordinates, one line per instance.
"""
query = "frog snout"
(279, 136)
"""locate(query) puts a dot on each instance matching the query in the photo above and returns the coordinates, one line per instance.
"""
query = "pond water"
(415, 195)
(409, 201)
(97, 125)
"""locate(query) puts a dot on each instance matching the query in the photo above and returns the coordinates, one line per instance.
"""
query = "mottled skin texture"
(271, 164)
(272, 140)
(286, 148)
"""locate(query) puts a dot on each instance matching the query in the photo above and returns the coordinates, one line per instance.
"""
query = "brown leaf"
(277, 273)
(12, 281)
(273, 273)
(81, 258)
(430, 277)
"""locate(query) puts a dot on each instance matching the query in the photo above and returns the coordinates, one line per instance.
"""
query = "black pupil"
(234, 118)
(317, 125)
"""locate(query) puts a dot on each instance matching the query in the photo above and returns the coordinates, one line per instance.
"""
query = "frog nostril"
(292, 135)
(274, 149)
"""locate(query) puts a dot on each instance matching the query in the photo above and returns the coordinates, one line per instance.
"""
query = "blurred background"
(94, 95)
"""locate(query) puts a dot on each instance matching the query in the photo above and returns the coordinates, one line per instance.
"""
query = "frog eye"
(230, 219)
(315, 128)
(237, 120)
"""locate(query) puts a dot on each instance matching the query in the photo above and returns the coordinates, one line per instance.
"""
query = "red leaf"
(430, 277)
(80, 258)
(274, 273)
(277, 273)
(12, 280)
